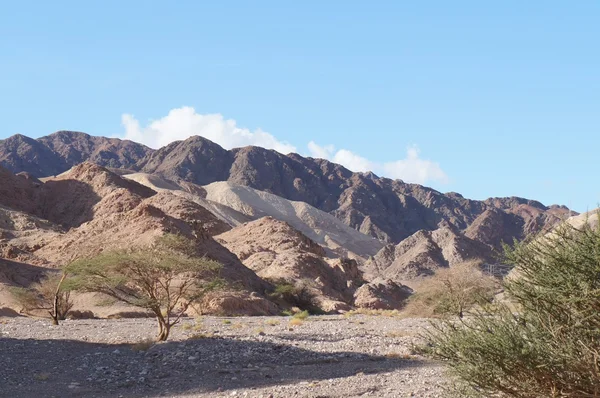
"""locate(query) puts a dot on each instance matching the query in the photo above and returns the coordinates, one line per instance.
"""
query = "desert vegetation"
(547, 342)
(50, 294)
(297, 295)
(452, 291)
(166, 278)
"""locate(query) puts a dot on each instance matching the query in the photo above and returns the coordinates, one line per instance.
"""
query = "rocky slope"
(235, 204)
(101, 210)
(319, 226)
(278, 252)
(424, 252)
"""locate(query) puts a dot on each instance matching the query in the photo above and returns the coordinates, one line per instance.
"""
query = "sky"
(477, 97)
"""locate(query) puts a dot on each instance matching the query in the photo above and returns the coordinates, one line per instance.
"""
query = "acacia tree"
(164, 278)
(453, 290)
(547, 343)
(51, 294)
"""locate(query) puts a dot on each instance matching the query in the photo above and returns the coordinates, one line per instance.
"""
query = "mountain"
(318, 225)
(276, 251)
(264, 215)
(89, 209)
(237, 204)
(389, 210)
(422, 253)
(58, 152)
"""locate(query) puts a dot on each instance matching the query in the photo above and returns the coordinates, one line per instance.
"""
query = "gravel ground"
(325, 356)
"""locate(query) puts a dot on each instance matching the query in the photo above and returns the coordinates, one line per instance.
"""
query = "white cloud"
(184, 122)
(411, 169)
(415, 169)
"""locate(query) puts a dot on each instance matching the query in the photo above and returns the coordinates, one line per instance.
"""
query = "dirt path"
(325, 356)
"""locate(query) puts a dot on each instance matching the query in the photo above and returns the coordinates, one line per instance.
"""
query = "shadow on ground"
(61, 368)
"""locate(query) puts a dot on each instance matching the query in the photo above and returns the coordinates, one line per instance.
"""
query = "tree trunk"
(163, 328)
(54, 313)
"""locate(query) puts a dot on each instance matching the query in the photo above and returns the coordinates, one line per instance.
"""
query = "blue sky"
(483, 98)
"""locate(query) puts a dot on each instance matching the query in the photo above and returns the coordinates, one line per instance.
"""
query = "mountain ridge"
(388, 210)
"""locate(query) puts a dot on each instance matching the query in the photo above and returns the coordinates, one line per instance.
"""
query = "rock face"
(58, 152)
(278, 252)
(382, 294)
(319, 226)
(424, 252)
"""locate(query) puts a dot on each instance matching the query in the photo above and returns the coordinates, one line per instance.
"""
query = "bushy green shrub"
(296, 295)
(547, 343)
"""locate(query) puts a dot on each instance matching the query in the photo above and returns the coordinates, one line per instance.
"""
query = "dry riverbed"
(324, 356)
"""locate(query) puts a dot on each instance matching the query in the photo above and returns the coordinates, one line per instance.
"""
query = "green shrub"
(549, 346)
(295, 295)
(302, 315)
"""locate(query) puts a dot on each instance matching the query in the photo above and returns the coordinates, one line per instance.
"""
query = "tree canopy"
(165, 278)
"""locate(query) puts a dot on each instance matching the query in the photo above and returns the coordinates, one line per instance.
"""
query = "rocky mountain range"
(389, 210)
(356, 238)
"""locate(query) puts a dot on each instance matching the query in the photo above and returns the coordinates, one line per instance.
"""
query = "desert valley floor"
(324, 356)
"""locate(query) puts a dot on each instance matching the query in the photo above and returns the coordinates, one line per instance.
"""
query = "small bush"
(187, 326)
(49, 295)
(301, 315)
(143, 345)
(200, 336)
(41, 376)
(296, 322)
(77, 314)
(296, 295)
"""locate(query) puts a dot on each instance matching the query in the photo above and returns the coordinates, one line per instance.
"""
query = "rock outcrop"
(424, 252)
(382, 294)
(278, 252)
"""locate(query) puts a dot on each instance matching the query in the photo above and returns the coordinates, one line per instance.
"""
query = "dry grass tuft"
(200, 336)
(41, 376)
(302, 315)
(401, 333)
(370, 312)
(143, 345)
(396, 355)
(296, 322)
